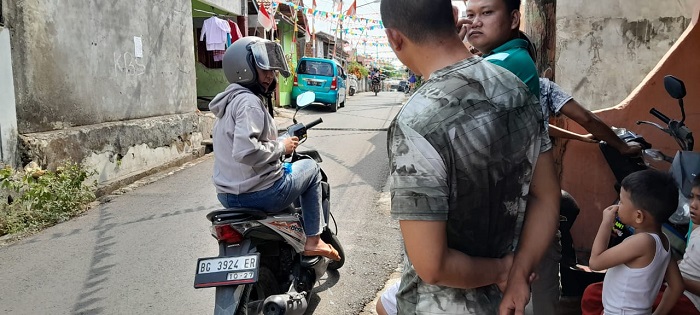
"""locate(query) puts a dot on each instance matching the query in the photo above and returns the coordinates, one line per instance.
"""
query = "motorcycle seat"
(239, 214)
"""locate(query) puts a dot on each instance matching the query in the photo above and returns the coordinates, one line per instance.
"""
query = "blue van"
(325, 77)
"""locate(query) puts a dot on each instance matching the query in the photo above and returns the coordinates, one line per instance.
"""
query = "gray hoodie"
(247, 155)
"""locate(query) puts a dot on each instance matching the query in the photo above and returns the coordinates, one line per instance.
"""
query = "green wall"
(210, 81)
(285, 84)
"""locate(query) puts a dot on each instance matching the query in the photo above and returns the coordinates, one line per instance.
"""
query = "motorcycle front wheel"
(330, 238)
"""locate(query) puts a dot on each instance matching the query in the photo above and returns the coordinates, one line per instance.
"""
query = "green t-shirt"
(513, 56)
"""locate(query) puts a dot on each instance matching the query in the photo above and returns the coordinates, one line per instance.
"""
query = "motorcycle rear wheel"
(266, 286)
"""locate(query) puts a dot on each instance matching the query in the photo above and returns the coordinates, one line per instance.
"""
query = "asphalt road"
(136, 254)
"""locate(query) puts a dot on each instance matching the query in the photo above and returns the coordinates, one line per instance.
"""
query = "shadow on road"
(332, 278)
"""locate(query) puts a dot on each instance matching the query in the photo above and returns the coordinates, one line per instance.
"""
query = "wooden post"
(540, 24)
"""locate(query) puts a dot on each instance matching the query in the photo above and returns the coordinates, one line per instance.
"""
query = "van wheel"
(334, 106)
(293, 103)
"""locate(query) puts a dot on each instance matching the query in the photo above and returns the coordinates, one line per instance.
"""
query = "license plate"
(220, 271)
(313, 83)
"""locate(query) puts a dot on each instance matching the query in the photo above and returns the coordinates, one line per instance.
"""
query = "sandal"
(329, 253)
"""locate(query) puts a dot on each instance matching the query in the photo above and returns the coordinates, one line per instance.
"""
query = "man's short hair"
(654, 192)
(512, 5)
(422, 21)
(696, 182)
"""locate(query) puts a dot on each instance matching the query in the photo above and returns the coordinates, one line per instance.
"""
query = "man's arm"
(597, 127)
(673, 291)
(557, 132)
(435, 263)
(541, 221)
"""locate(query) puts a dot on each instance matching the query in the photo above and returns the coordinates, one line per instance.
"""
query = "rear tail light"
(296, 82)
(227, 234)
(334, 84)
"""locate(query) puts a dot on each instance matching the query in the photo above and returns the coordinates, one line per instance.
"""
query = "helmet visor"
(269, 56)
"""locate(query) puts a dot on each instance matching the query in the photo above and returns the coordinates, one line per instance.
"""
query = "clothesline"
(212, 13)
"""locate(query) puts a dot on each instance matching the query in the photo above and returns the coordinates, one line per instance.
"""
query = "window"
(315, 68)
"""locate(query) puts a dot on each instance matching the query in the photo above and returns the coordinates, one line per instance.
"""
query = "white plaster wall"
(606, 47)
(8, 113)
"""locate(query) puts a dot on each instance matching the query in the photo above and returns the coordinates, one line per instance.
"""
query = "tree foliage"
(357, 69)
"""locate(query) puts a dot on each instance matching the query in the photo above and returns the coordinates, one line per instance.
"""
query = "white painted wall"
(605, 48)
(8, 113)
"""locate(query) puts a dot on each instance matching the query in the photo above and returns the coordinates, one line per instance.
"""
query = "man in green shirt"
(492, 27)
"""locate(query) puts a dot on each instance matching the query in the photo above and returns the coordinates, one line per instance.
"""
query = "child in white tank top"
(638, 266)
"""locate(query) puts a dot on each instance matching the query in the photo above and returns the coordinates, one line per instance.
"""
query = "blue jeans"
(304, 182)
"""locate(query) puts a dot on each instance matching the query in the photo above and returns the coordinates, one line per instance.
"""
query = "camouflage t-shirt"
(462, 150)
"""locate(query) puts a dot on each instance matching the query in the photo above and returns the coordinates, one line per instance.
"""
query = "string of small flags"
(332, 15)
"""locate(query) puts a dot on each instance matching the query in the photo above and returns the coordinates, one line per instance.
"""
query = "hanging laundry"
(218, 55)
(235, 31)
(216, 31)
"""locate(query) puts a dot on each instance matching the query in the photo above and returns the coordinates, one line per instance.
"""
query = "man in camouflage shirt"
(468, 153)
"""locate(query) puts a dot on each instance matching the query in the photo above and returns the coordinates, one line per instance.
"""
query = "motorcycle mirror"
(303, 100)
(676, 89)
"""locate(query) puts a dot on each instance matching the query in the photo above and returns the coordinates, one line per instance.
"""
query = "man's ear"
(455, 13)
(396, 39)
(515, 18)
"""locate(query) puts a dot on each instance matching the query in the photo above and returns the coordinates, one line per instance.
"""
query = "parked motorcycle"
(352, 85)
(260, 268)
(684, 167)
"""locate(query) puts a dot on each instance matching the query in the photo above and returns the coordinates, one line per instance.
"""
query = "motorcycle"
(260, 268)
(352, 85)
(684, 167)
(376, 85)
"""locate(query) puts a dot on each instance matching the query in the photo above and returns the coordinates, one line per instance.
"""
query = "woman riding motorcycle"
(248, 169)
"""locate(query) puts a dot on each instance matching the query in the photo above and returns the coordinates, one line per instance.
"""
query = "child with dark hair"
(638, 266)
(689, 302)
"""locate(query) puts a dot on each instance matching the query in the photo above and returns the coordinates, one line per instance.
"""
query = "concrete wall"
(606, 47)
(86, 93)
(8, 116)
(76, 63)
(585, 173)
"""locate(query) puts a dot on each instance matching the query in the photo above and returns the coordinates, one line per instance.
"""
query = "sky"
(368, 9)
(365, 9)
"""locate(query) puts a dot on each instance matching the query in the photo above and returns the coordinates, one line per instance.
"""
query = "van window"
(315, 68)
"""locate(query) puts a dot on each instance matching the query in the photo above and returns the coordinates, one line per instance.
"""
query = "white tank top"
(632, 291)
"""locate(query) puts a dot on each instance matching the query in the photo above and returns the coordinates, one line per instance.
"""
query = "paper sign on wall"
(138, 47)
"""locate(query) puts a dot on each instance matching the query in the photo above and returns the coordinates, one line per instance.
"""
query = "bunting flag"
(339, 3)
(352, 10)
(264, 18)
(331, 15)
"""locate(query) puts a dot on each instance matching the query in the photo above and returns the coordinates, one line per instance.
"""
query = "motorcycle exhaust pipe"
(285, 304)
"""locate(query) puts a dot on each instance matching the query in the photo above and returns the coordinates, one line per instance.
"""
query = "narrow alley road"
(137, 253)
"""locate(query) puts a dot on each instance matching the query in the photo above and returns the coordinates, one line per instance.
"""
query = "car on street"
(403, 86)
(325, 77)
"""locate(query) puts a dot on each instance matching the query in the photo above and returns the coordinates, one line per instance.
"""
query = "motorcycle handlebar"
(314, 123)
(659, 115)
